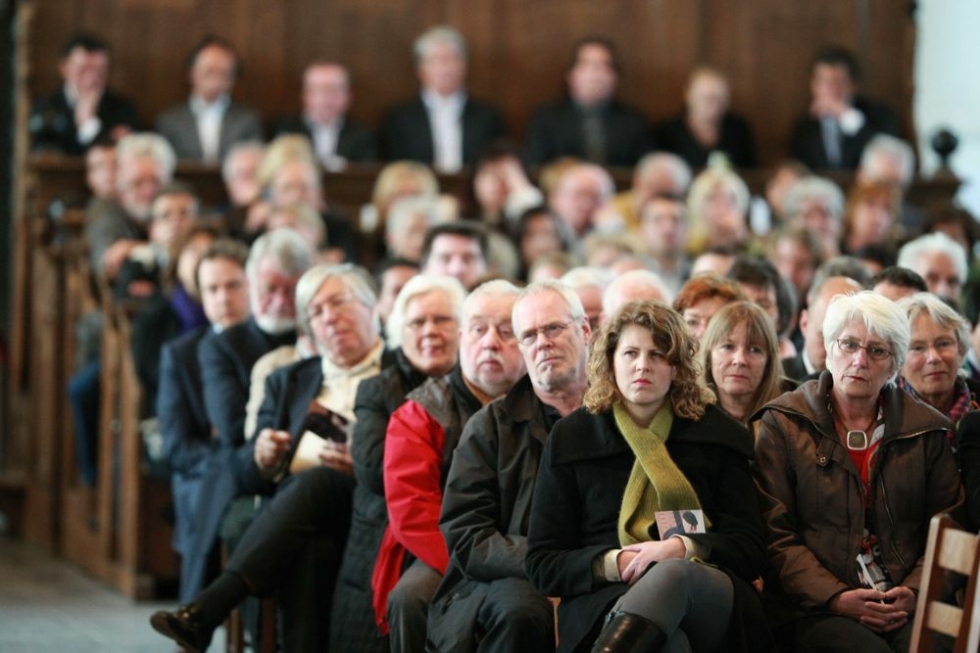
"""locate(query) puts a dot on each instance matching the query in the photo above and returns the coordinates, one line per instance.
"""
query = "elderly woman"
(648, 476)
(850, 469)
(940, 340)
(703, 296)
(739, 354)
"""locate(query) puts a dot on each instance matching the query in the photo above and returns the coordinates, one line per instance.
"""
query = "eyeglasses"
(851, 347)
(549, 331)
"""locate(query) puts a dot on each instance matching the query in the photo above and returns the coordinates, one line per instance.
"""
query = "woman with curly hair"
(644, 518)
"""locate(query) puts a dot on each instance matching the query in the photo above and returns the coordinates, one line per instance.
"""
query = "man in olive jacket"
(487, 500)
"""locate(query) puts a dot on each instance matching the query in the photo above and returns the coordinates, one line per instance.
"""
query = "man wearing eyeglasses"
(487, 500)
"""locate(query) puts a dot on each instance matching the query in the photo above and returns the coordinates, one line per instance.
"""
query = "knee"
(671, 576)
(407, 599)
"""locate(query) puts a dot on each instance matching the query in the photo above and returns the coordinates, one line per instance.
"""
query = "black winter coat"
(576, 506)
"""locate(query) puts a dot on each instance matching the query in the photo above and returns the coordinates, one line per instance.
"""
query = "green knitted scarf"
(655, 482)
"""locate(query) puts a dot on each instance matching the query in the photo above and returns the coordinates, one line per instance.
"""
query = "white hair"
(354, 278)
(673, 164)
(492, 288)
(887, 145)
(407, 207)
(236, 150)
(879, 314)
(291, 253)
(637, 280)
(422, 284)
(148, 144)
(562, 289)
(584, 277)
(941, 314)
(438, 34)
(937, 242)
(814, 189)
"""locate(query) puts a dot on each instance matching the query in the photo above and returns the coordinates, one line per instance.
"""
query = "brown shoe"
(185, 626)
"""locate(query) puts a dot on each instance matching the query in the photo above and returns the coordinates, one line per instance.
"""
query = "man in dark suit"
(443, 126)
(336, 138)
(184, 424)
(83, 111)
(839, 123)
(209, 123)
(590, 124)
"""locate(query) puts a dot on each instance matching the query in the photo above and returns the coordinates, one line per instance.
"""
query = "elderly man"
(839, 123)
(456, 249)
(817, 205)
(84, 111)
(706, 125)
(210, 122)
(579, 193)
(337, 140)
(938, 259)
(632, 286)
(443, 126)
(117, 225)
(590, 123)
(180, 399)
(487, 501)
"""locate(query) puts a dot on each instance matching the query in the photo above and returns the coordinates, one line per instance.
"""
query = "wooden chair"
(949, 550)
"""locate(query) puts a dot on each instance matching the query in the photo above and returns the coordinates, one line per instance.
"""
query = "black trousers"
(294, 548)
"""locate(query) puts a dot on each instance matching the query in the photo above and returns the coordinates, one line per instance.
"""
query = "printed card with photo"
(679, 522)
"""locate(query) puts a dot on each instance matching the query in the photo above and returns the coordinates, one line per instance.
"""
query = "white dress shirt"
(90, 128)
(325, 139)
(446, 123)
(209, 117)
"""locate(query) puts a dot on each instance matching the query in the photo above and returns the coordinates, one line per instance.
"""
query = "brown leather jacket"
(810, 491)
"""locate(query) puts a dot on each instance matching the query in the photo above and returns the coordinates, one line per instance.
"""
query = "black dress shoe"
(185, 626)
(629, 633)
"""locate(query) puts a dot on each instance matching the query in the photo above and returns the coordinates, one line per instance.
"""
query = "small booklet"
(316, 428)
(680, 522)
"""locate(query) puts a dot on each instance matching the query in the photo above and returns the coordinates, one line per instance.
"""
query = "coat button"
(822, 460)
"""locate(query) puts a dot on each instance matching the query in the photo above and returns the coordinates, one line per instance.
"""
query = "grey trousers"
(408, 607)
(691, 602)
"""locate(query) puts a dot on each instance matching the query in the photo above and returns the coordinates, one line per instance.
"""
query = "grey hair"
(642, 278)
(492, 288)
(149, 145)
(887, 145)
(354, 278)
(597, 171)
(908, 256)
(814, 189)
(563, 289)
(678, 168)
(422, 284)
(925, 303)
(403, 209)
(228, 165)
(879, 314)
(584, 276)
(439, 34)
(291, 253)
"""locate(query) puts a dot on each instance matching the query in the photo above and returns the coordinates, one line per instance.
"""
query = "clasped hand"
(634, 559)
(882, 612)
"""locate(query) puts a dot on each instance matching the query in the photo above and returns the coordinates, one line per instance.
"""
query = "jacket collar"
(523, 406)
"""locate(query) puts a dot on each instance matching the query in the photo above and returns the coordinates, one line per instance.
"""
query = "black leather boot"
(185, 626)
(626, 632)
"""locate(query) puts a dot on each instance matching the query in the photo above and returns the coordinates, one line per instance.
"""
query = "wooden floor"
(47, 605)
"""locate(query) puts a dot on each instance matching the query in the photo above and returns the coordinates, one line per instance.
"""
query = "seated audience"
(184, 425)
(657, 173)
(663, 230)
(938, 259)
(210, 122)
(632, 286)
(409, 219)
(456, 249)
(717, 208)
(850, 470)
(395, 181)
(580, 191)
(895, 283)
(421, 437)
(839, 122)
(706, 126)
(485, 601)
(768, 212)
(443, 126)
(337, 139)
(607, 249)
(817, 205)
(538, 234)
(83, 112)
(676, 486)
(871, 218)
(937, 351)
(590, 124)
(115, 226)
(891, 161)
(703, 296)
(501, 189)
(739, 355)
(590, 284)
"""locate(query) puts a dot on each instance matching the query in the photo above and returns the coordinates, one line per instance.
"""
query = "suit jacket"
(52, 122)
(409, 136)
(179, 126)
(735, 140)
(356, 143)
(557, 130)
(808, 146)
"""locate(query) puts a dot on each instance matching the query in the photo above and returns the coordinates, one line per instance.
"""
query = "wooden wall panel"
(519, 49)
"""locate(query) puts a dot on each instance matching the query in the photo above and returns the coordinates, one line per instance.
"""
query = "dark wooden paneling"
(519, 49)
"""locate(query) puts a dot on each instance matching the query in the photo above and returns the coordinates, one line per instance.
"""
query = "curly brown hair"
(688, 394)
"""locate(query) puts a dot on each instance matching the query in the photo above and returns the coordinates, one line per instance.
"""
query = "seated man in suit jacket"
(209, 123)
(839, 123)
(83, 111)
(443, 126)
(336, 138)
(184, 423)
(590, 124)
